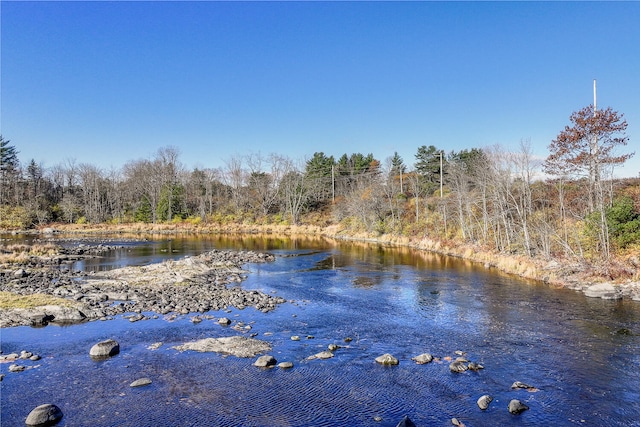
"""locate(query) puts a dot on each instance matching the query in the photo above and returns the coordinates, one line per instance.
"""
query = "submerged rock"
(236, 346)
(44, 415)
(405, 422)
(322, 355)
(104, 349)
(518, 384)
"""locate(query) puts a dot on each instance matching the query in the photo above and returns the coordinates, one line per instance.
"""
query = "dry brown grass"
(9, 300)
(20, 253)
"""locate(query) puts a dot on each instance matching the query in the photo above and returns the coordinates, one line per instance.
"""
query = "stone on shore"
(44, 415)
(387, 360)
(604, 291)
(104, 349)
(64, 314)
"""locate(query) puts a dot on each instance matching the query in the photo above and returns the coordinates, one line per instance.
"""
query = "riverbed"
(580, 355)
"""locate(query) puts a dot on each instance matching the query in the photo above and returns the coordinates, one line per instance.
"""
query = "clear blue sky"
(108, 82)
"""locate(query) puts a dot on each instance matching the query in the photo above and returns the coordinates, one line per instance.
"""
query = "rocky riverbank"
(620, 280)
(190, 285)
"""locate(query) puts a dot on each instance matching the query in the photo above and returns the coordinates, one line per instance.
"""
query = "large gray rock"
(265, 361)
(44, 415)
(64, 314)
(604, 291)
(104, 349)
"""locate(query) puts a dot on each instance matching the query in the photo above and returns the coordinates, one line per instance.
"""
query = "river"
(582, 355)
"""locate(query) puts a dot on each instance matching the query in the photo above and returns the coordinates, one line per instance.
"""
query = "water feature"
(581, 354)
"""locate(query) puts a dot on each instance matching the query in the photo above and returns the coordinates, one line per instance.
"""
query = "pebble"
(285, 365)
(140, 382)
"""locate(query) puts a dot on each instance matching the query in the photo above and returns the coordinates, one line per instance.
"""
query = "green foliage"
(82, 220)
(8, 156)
(428, 163)
(397, 164)
(319, 165)
(623, 222)
(170, 203)
(143, 213)
(194, 220)
(469, 159)
(356, 163)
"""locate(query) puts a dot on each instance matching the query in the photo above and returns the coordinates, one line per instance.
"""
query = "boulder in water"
(104, 349)
(44, 415)
(516, 407)
(387, 359)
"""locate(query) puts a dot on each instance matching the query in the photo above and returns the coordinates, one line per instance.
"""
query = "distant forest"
(567, 204)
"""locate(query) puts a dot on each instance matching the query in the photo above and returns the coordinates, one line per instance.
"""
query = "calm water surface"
(582, 354)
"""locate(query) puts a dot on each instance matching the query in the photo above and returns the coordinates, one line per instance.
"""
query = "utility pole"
(333, 184)
(441, 174)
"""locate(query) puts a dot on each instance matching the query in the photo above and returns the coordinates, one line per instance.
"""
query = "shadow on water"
(581, 354)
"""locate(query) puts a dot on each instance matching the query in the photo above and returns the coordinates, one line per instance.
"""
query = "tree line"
(507, 201)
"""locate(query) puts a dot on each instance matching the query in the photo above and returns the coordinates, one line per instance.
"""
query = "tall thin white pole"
(333, 185)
